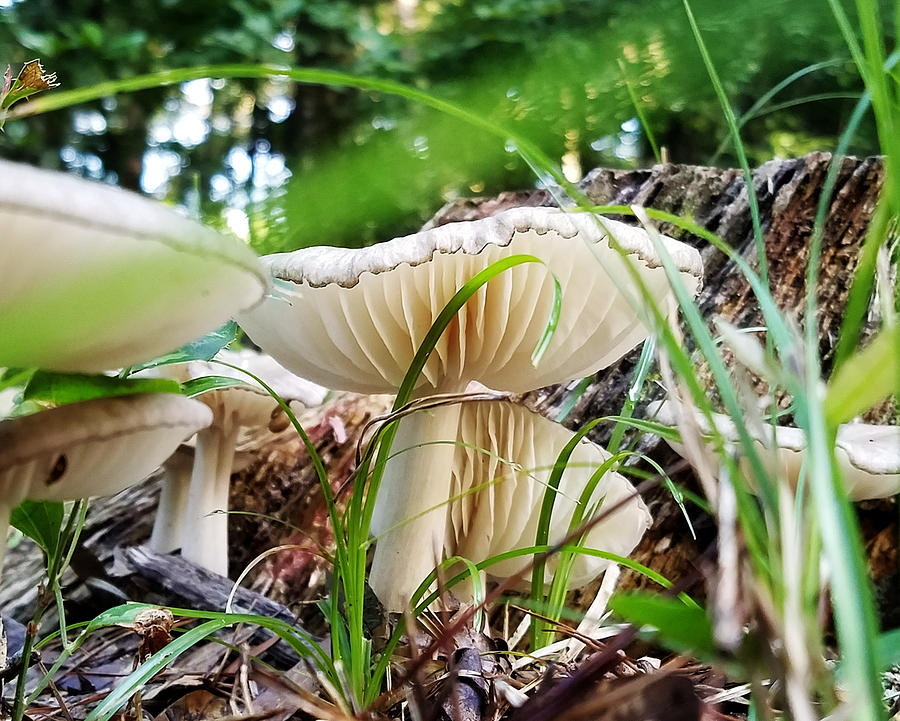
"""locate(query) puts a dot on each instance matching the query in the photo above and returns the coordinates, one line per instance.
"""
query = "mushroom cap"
(353, 319)
(93, 448)
(486, 465)
(246, 405)
(868, 455)
(289, 387)
(95, 277)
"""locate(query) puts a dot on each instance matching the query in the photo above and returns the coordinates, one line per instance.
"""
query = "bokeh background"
(285, 165)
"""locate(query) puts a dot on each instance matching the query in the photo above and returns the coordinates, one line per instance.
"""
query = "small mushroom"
(500, 456)
(92, 448)
(353, 320)
(198, 529)
(95, 277)
(868, 455)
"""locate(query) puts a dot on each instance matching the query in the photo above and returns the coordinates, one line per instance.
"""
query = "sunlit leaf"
(203, 349)
(864, 379)
(204, 384)
(62, 388)
(41, 521)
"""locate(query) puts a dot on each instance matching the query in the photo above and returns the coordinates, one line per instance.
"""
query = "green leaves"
(680, 626)
(204, 348)
(62, 388)
(42, 522)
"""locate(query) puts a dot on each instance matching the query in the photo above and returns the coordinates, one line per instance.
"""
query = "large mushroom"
(92, 448)
(191, 514)
(353, 319)
(868, 455)
(95, 277)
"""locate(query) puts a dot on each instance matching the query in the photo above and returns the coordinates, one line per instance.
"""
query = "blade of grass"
(762, 101)
(539, 635)
(734, 132)
(865, 379)
(421, 601)
(572, 399)
(638, 109)
(530, 152)
(634, 393)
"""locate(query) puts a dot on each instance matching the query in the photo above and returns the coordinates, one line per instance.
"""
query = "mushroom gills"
(354, 319)
(482, 468)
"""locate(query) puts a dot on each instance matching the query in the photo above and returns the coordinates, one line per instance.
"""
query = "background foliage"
(287, 165)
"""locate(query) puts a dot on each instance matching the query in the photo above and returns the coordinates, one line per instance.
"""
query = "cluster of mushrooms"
(105, 279)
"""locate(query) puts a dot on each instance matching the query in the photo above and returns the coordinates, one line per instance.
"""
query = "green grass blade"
(759, 107)
(735, 134)
(773, 316)
(639, 110)
(865, 379)
(648, 353)
(538, 628)
(530, 152)
(862, 288)
(863, 283)
(136, 680)
(421, 601)
(550, 326)
(572, 399)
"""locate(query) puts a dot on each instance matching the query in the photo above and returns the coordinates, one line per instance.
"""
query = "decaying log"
(788, 193)
(282, 484)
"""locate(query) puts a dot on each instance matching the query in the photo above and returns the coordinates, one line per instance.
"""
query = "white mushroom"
(353, 320)
(95, 277)
(91, 448)
(500, 456)
(868, 455)
(200, 531)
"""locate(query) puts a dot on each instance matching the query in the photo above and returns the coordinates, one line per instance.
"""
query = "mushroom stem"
(412, 507)
(208, 492)
(9, 499)
(173, 500)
